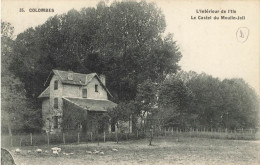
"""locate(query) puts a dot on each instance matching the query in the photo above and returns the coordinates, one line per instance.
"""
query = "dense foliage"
(17, 112)
(199, 100)
(123, 41)
(126, 42)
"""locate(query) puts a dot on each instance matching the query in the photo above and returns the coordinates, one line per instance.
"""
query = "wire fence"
(76, 137)
(236, 134)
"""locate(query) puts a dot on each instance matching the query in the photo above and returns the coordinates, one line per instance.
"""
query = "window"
(96, 88)
(84, 93)
(79, 126)
(55, 84)
(55, 122)
(56, 103)
(113, 128)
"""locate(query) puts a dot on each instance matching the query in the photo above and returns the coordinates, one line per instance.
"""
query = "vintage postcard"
(130, 82)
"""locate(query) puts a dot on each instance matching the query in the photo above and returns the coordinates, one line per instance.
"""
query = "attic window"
(96, 88)
(55, 84)
(70, 76)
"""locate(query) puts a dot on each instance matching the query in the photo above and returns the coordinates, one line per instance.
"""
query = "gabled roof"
(45, 93)
(91, 104)
(78, 78)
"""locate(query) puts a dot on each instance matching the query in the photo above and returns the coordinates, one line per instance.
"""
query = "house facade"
(74, 97)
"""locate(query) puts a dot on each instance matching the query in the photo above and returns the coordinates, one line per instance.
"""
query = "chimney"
(103, 79)
(70, 76)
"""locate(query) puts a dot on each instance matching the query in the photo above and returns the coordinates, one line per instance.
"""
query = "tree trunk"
(151, 139)
(117, 132)
(129, 124)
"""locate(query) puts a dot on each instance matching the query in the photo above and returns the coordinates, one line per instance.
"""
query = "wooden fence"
(66, 138)
(63, 138)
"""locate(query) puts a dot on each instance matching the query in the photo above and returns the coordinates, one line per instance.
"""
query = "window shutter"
(56, 103)
(55, 122)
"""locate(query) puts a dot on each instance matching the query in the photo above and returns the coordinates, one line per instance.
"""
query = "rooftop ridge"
(82, 98)
(75, 72)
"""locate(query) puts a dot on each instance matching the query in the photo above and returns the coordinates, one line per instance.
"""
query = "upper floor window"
(56, 105)
(84, 93)
(96, 88)
(55, 84)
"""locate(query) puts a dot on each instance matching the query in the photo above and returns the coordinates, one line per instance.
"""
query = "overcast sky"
(209, 46)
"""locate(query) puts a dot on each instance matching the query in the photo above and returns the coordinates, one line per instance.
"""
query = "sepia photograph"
(130, 82)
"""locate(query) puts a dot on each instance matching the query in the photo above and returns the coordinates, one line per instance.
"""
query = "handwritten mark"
(242, 34)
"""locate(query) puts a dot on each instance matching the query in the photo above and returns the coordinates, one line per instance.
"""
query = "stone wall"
(67, 90)
(55, 93)
(76, 91)
(92, 94)
(46, 112)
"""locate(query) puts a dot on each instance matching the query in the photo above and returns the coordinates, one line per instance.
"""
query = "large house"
(74, 97)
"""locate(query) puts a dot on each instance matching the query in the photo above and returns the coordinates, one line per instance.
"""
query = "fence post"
(63, 137)
(98, 137)
(116, 137)
(48, 138)
(91, 136)
(11, 140)
(104, 136)
(31, 139)
(137, 133)
(21, 139)
(172, 130)
(78, 137)
(86, 136)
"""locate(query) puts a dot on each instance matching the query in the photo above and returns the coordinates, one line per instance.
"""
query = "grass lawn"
(165, 150)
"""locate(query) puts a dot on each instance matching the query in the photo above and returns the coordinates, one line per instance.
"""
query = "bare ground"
(166, 150)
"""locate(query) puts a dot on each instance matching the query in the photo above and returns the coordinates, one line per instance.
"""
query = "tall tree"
(124, 41)
(174, 102)
(146, 98)
(17, 112)
(208, 101)
(241, 105)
